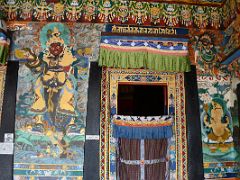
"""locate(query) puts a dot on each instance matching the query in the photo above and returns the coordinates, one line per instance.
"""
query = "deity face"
(123, 11)
(26, 7)
(215, 16)
(216, 105)
(217, 110)
(58, 8)
(90, 10)
(56, 48)
(186, 13)
(139, 5)
(200, 10)
(206, 41)
(155, 11)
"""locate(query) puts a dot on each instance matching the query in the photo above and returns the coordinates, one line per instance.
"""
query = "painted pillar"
(4, 52)
(218, 107)
(4, 43)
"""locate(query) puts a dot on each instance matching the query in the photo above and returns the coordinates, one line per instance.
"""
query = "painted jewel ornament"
(26, 9)
(123, 11)
(73, 10)
(139, 12)
(58, 11)
(42, 11)
(186, 15)
(201, 16)
(155, 12)
(11, 7)
(90, 10)
(107, 10)
(215, 17)
(170, 14)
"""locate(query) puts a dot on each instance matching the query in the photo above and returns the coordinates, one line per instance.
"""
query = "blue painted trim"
(145, 38)
(231, 58)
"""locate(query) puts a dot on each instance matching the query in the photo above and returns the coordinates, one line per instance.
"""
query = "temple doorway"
(142, 139)
(142, 159)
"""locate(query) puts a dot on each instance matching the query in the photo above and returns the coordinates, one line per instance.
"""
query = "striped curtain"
(142, 161)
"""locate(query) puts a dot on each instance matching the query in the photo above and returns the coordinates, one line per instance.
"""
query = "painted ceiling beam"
(234, 56)
(124, 12)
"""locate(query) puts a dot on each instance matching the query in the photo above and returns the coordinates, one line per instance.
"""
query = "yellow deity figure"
(217, 120)
(54, 83)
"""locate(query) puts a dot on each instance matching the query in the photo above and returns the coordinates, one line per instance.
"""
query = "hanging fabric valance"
(136, 127)
(160, 54)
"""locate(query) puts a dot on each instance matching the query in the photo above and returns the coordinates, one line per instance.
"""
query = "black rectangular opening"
(142, 99)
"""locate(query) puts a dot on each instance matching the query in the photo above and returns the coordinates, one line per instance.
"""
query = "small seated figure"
(218, 121)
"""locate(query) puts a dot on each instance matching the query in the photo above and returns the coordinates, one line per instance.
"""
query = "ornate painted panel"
(178, 145)
(200, 14)
(220, 126)
(52, 100)
(198, 2)
(206, 50)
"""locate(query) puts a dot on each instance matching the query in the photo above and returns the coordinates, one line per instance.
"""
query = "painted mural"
(85, 39)
(213, 15)
(234, 68)
(51, 102)
(206, 51)
(220, 125)
(218, 106)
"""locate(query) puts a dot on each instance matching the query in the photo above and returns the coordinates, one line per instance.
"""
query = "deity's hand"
(26, 54)
(205, 119)
(29, 55)
(227, 121)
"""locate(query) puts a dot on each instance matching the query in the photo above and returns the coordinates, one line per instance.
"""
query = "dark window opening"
(142, 100)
